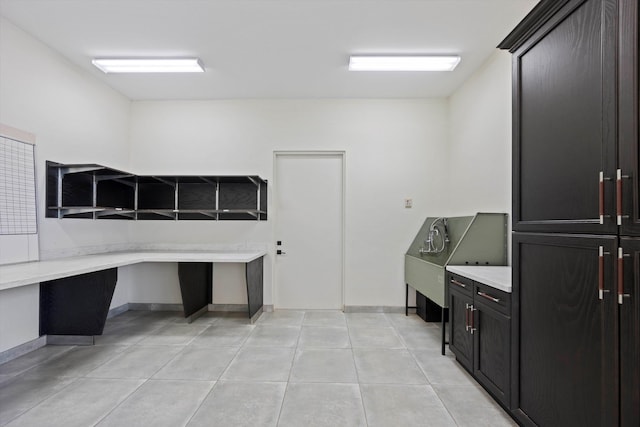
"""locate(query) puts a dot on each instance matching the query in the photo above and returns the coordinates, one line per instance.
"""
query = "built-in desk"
(75, 292)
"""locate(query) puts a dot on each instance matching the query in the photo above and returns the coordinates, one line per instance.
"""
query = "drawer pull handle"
(455, 282)
(489, 297)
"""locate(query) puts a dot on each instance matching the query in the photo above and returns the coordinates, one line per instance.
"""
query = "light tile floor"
(292, 368)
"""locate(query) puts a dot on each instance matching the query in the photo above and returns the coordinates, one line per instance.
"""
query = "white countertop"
(498, 277)
(27, 273)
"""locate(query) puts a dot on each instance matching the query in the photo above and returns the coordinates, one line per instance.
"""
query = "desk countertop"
(27, 273)
(498, 277)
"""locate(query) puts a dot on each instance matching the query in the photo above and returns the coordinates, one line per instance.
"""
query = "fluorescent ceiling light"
(149, 65)
(403, 63)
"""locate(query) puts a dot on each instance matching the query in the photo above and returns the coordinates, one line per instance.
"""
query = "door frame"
(274, 211)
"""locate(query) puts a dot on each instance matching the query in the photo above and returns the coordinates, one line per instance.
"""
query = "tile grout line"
(41, 362)
(121, 402)
(431, 385)
(235, 356)
(353, 356)
(73, 381)
(145, 380)
(158, 370)
(218, 379)
(286, 388)
(213, 386)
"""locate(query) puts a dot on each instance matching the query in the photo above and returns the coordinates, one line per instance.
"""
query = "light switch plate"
(408, 203)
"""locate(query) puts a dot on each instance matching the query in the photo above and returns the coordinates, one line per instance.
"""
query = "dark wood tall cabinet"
(565, 336)
(564, 122)
(576, 214)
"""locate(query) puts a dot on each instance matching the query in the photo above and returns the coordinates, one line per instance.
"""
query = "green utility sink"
(472, 240)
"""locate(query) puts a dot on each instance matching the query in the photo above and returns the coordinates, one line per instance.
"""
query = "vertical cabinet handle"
(620, 275)
(619, 209)
(472, 327)
(600, 272)
(466, 318)
(601, 197)
(619, 196)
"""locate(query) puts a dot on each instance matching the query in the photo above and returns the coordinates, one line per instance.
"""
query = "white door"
(309, 226)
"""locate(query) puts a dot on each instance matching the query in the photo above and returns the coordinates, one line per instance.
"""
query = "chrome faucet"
(434, 235)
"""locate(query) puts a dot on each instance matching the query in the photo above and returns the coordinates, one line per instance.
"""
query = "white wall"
(479, 156)
(19, 320)
(16, 248)
(75, 119)
(451, 156)
(394, 149)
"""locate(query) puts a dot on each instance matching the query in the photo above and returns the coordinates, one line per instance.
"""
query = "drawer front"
(461, 283)
(492, 297)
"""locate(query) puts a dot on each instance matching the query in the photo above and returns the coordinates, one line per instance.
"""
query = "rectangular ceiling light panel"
(149, 65)
(403, 63)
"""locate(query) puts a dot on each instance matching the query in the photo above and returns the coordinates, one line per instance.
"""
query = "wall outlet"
(408, 203)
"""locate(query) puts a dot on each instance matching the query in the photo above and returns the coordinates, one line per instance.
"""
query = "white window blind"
(17, 188)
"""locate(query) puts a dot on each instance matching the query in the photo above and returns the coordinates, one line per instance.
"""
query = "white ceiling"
(272, 48)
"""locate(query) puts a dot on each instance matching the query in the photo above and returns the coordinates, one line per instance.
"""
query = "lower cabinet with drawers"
(480, 325)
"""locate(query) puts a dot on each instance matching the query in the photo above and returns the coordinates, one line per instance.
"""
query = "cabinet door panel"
(565, 337)
(564, 121)
(629, 160)
(492, 347)
(460, 340)
(630, 335)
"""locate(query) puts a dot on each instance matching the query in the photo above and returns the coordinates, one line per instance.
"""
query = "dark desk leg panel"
(195, 285)
(77, 305)
(255, 286)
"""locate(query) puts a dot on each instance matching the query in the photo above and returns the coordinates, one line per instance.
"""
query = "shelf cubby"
(89, 191)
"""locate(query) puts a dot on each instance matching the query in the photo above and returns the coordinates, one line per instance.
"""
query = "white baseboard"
(373, 309)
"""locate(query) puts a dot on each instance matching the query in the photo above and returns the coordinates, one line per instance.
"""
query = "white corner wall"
(479, 156)
(451, 156)
(75, 119)
(394, 149)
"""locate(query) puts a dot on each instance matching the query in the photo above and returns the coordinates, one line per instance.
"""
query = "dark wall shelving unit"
(97, 192)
